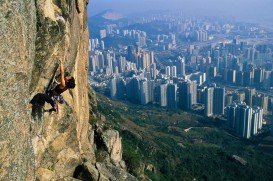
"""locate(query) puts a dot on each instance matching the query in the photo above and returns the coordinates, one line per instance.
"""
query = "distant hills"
(98, 21)
(112, 15)
(109, 14)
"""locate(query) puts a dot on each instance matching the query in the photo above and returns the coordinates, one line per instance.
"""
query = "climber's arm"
(62, 74)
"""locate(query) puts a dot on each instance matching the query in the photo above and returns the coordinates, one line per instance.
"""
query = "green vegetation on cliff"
(166, 145)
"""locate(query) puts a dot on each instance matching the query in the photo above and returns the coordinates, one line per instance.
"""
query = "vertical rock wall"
(17, 52)
(35, 34)
(61, 141)
(41, 145)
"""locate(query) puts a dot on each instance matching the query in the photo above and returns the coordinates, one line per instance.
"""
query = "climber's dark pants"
(40, 100)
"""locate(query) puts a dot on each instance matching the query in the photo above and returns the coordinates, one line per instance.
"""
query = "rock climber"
(53, 96)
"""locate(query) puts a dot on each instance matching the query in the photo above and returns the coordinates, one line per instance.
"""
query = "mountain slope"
(166, 145)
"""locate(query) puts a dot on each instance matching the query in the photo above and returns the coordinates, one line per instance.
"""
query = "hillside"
(165, 145)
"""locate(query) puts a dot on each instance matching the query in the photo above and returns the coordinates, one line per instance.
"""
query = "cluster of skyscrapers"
(106, 61)
(166, 42)
(96, 44)
(234, 63)
(251, 98)
(184, 94)
(246, 121)
(137, 77)
(201, 35)
(139, 36)
(173, 94)
(214, 78)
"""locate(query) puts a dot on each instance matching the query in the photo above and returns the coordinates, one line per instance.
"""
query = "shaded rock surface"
(113, 144)
(108, 170)
(34, 35)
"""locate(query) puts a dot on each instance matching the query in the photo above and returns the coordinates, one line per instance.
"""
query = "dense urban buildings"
(244, 120)
(200, 66)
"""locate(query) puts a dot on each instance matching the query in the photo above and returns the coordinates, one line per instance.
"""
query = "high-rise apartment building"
(173, 71)
(172, 96)
(243, 119)
(144, 92)
(133, 89)
(249, 93)
(257, 120)
(113, 87)
(163, 95)
(151, 87)
(180, 64)
(258, 76)
(103, 33)
(168, 71)
(208, 98)
(218, 101)
(228, 99)
(231, 115)
(231, 76)
(239, 96)
(248, 78)
(121, 64)
(187, 94)
(152, 57)
(121, 88)
(212, 72)
(239, 78)
(260, 100)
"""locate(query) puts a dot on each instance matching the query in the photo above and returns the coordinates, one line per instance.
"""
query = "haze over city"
(189, 83)
(250, 10)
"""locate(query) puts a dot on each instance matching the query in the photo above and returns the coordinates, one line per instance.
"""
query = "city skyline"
(183, 75)
(252, 11)
(184, 64)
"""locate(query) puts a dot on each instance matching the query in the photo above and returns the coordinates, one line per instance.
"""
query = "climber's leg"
(40, 99)
(61, 100)
(49, 100)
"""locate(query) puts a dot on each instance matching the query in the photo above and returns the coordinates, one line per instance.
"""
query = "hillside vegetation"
(167, 145)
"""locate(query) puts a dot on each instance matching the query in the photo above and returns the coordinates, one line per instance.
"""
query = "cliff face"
(39, 145)
(17, 52)
(60, 141)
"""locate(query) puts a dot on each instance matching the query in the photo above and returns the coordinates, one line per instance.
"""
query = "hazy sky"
(241, 9)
